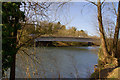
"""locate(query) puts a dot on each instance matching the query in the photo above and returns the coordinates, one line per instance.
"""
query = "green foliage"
(11, 16)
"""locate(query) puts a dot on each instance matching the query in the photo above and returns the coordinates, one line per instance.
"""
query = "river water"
(54, 62)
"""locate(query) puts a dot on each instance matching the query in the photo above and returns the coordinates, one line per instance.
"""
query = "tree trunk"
(12, 68)
(101, 29)
(116, 34)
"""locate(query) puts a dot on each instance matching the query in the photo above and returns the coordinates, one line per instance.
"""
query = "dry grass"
(115, 73)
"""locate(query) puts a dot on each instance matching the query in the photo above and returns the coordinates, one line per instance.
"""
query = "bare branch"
(92, 2)
(114, 9)
(103, 2)
(83, 7)
(28, 41)
(103, 5)
(31, 57)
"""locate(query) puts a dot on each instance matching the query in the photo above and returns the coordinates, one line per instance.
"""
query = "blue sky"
(83, 17)
(80, 17)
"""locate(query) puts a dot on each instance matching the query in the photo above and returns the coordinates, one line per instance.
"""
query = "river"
(54, 62)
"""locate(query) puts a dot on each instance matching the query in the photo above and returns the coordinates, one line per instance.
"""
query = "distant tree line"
(46, 28)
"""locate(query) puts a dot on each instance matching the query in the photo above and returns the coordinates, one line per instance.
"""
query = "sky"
(80, 16)
(83, 16)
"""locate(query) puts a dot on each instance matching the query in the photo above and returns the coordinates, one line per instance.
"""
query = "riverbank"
(108, 70)
(64, 44)
(111, 73)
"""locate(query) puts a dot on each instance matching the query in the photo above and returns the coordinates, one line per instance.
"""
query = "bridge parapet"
(72, 39)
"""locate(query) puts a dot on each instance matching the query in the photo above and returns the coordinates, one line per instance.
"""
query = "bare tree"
(101, 29)
(108, 56)
(116, 34)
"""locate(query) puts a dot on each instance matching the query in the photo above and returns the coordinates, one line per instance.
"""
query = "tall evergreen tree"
(11, 17)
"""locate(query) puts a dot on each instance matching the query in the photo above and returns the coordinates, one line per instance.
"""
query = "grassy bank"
(110, 70)
(111, 73)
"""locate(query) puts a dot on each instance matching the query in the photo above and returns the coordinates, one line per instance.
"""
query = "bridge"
(69, 39)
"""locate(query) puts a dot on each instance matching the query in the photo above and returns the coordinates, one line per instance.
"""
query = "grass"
(115, 73)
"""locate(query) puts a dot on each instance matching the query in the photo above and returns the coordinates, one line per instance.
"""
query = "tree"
(56, 27)
(116, 34)
(82, 33)
(63, 27)
(108, 56)
(11, 17)
(101, 29)
(12, 30)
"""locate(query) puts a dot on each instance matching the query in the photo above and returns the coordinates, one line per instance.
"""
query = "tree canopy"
(11, 17)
